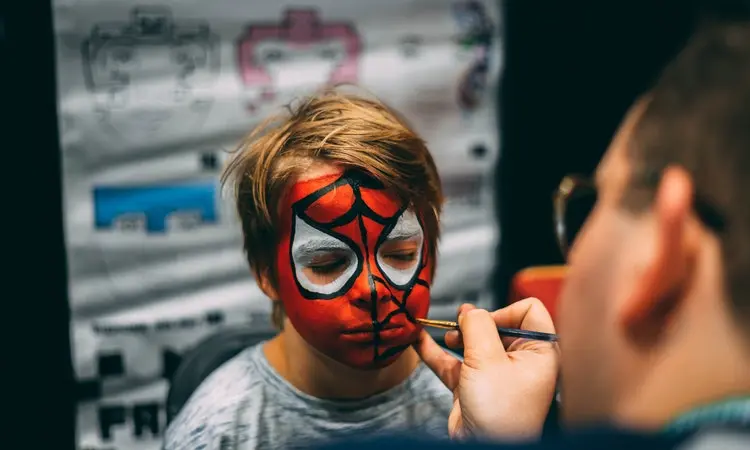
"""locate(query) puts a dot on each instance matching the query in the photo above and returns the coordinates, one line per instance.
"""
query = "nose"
(369, 291)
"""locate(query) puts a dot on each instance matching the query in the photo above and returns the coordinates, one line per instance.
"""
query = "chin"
(363, 359)
(381, 363)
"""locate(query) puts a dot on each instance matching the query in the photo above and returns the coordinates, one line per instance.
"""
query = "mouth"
(371, 328)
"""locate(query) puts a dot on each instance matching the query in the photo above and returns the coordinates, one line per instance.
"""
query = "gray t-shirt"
(245, 405)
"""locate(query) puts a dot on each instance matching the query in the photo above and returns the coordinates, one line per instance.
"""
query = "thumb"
(481, 339)
(445, 366)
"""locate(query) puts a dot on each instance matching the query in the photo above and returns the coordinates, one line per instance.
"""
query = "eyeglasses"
(576, 197)
(573, 202)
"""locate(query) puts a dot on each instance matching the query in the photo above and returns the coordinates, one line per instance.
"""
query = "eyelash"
(411, 256)
(328, 268)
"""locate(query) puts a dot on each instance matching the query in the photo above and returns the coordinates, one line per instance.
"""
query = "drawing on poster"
(111, 366)
(477, 34)
(410, 45)
(466, 191)
(144, 419)
(210, 318)
(300, 52)
(150, 75)
(156, 208)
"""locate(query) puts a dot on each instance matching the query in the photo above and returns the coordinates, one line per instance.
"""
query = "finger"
(527, 314)
(481, 340)
(464, 308)
(445, 366)
(453, 339)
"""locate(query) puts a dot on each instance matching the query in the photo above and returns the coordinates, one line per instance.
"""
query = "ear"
(266, 285)
(667, 272)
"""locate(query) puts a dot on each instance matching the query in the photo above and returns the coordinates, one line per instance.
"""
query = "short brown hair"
(344, 129)
(698, 117)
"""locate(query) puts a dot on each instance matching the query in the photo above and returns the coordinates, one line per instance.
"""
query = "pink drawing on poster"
(300, 30)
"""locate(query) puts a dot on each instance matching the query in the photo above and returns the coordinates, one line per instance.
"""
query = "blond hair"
(343, 129)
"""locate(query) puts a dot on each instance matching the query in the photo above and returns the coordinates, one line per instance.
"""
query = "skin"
(644, 305)
(316, 352)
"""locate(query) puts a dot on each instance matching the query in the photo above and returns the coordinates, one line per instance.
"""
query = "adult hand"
(504, 387)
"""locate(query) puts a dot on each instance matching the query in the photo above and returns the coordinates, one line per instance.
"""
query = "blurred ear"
(266, 285)
(659, 289)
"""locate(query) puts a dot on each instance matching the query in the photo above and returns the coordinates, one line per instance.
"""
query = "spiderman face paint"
(353, 269)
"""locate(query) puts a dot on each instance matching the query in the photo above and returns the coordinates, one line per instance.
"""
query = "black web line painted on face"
(359, 210)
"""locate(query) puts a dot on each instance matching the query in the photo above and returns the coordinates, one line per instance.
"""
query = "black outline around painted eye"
(420, 254)
(313, 295)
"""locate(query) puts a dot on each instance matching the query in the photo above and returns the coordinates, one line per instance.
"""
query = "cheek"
(418, 301)
(603, 271)
(589, 277)
(317, 319)
(298, 308)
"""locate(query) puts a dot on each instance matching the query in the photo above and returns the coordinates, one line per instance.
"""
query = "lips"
(367, 334)
(369, 329)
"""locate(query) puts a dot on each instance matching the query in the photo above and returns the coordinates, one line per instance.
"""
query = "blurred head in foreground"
(339, 202)
(655, 310)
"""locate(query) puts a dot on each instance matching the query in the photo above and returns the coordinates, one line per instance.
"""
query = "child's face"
(353, 270)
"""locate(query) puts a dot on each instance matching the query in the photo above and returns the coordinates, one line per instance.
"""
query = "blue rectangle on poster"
(154, 205)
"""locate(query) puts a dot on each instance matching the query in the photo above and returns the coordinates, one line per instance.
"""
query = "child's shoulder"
(234, 376)
(216, 401)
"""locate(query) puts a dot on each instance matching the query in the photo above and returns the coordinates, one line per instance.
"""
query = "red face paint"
(341, 289)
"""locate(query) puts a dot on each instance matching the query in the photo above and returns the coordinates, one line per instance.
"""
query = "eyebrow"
(402, 234)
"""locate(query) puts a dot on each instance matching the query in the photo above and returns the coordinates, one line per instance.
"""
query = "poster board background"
(152, 96)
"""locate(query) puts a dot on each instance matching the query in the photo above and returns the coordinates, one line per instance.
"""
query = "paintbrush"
(510, 332)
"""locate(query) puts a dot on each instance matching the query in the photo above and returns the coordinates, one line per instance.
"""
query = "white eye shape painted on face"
(309, 244)
(407, 228)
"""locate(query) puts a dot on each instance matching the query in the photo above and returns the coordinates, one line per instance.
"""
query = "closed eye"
(329, 266)
(400, 260)
(326, 270)
(404, 256)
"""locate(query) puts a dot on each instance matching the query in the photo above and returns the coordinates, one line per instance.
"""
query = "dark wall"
(37, 375)
(573, 68)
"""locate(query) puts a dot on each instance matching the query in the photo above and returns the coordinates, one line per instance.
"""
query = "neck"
(319, 376)
(656, 405)
(706, 367)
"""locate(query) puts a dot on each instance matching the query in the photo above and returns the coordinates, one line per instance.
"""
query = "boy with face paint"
(339, 202)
